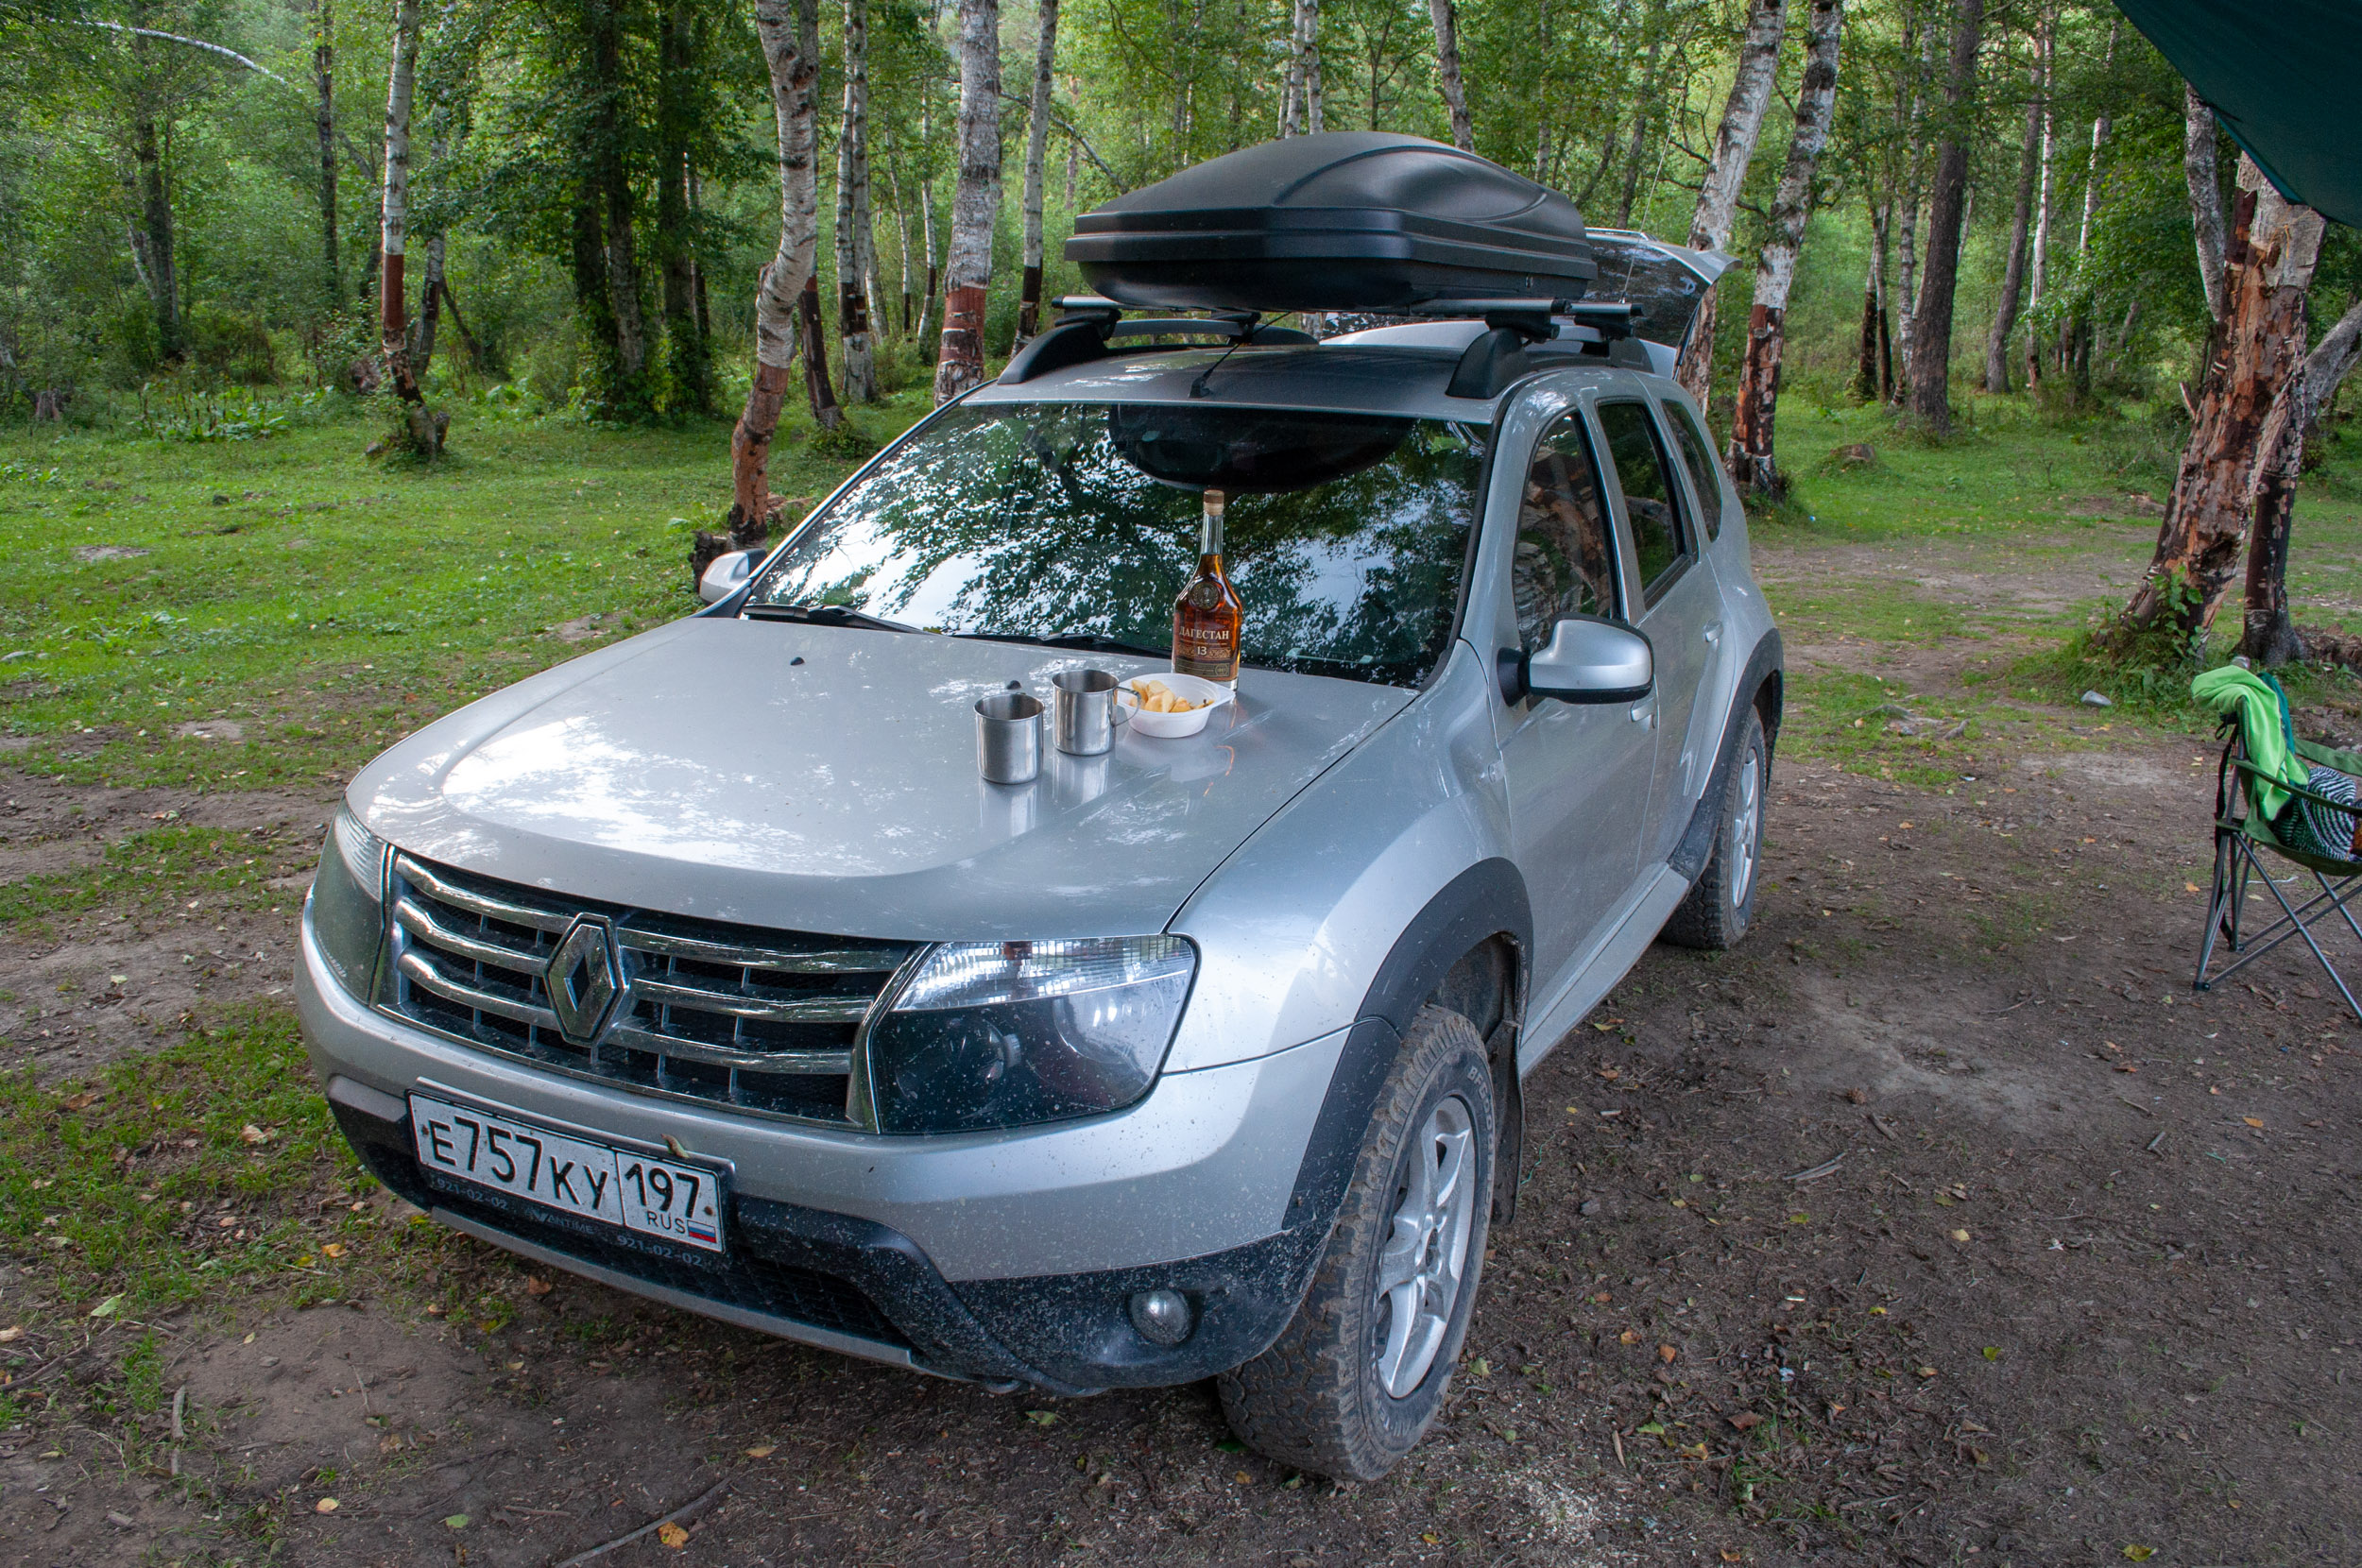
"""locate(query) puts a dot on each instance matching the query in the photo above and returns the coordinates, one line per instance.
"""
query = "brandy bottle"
(1207, 616)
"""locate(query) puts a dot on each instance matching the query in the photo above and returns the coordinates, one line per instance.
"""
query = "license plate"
(618, 1187)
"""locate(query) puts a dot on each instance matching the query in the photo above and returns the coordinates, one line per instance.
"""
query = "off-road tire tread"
(1705, 918)
(1296, 1403)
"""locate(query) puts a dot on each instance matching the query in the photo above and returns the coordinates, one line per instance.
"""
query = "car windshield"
(1346, 534)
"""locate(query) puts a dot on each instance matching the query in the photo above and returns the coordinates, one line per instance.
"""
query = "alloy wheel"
(1421, 1272)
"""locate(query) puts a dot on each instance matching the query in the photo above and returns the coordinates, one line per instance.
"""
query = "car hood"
(824, 779)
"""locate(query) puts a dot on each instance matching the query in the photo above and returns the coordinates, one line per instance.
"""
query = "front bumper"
(1007, 1258)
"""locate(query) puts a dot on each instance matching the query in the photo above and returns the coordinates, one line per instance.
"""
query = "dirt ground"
(1941, 1224)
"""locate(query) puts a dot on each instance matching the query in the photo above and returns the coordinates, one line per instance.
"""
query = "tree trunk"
(1918, 41)
(2091, 175)
(424, 330)
(2013, 274)
(611, 176)
(975, 202)
(1734, 149)
(1931, 323)
(1300, 89)
(324, 123)
(400, 80)
(1652, 31)
(1866, 346)
(2198, 170)
(852, 211)
(2269, 638)
(1037, 147)
(1752, 462)
(154, 232)
(697, 266)
(923, 337)
(688, 360)
(813, 334)
(2268, 268)
(793, 74)
(901, 238)
(2038, 250)
(1447, 81)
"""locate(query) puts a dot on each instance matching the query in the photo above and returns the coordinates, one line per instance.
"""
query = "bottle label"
(1205, 653)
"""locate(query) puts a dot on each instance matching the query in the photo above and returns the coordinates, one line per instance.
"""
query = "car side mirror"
(726, 574)
(1588, 659)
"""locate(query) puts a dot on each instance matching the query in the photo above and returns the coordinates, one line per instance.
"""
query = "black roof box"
(1345, 220)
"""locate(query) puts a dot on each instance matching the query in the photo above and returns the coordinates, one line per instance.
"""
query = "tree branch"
(194, 43)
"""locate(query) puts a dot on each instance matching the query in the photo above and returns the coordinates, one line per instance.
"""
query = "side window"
(1657, 532)
(1706, 475)
(1565, 554)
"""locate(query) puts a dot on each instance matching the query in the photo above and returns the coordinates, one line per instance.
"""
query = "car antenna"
(1206, 377)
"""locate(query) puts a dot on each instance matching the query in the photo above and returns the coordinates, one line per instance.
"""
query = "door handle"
(1714, 632)
(1644, 712)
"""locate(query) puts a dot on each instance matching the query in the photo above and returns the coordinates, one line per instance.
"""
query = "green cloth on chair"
(2263, 713)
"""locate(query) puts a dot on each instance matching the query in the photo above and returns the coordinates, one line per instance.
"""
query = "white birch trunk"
(2099, 139)
(792, 72)
(1036, 149)
(400, 83)
(975, 202)
(2198, 167)
(1447, 79)
(852, 211)
(1733, 147)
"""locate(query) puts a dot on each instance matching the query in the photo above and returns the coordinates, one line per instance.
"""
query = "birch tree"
(393, 226)
(1448, 82)
(793, 75)
(975, 202)
(2199, 171)
(1751, 459)
(1931, 320)
(854, 241)
(2267, 270)
(2021, 218)
(324, 127)
(1733, 147)
(1300, 96)
(1037, 147)
(2268, 637)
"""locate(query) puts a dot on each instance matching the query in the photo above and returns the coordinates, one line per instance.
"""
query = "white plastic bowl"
(1209, 695)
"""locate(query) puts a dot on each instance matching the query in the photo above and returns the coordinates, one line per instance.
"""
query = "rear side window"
(1706, 475)
(1657, 525)
(1566, 559)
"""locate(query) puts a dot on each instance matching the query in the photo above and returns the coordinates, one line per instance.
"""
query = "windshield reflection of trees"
(1030, 522)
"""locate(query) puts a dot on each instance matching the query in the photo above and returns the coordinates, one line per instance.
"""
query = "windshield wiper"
(822, 615)
(1088, 642)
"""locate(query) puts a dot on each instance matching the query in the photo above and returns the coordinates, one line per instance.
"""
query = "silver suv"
(707, 966)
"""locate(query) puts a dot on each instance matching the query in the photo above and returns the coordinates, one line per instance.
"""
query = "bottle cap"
(1214, 502)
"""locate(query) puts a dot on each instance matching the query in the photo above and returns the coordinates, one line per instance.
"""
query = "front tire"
(1355, 1379)
(1720, 906)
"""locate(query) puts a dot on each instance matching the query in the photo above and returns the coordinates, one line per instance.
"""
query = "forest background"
(192, 192)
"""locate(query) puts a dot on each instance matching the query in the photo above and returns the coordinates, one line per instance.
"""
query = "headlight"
(349, 902)
(1001, 1034)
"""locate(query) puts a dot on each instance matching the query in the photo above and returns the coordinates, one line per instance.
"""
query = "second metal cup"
(1008, 738)
(1084, 713)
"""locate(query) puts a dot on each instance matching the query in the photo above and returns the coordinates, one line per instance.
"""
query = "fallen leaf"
(1746, 1421)
(535, 1286)
(1992, 1353)
(1655, 1428)
(1729, 1555)
(1243, 1479)
(672, 1535)
(1666, 1354)
(108, 1308)
(1959, 1236)
(1601, 1297)
(1800, 1218)
(253, 1134)
(334, 1248)
(1692, 1451)
(2139, 1553)
(1042, 1418)
(2252, 1121)
(1479, 1368)
(1927, 1372)
(456, 1521)
(326, 1505)
(1609, 1073)
(76, 1102)
(762, 1450)
(1630, 1337)
(11, 1334)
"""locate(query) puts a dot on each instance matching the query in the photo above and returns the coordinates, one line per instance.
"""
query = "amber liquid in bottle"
(1207, 616)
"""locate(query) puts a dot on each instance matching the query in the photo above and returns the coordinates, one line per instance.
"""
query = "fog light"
(1162, 1317)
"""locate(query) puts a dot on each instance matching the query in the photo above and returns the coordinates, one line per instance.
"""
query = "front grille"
(760, 1019)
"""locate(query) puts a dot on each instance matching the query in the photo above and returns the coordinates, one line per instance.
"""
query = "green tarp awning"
(2286, 79)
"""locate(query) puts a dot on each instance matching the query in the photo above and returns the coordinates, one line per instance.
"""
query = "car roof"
(1394, 378)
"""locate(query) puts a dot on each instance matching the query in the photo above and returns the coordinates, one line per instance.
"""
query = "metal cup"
(1084, 713)
(1008, 738)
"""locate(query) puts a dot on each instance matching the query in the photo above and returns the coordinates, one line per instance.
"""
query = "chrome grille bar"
(819, 1063)
(483, 904)
(482, 999)
(764, 1007)
(843, 960)
(419, 923)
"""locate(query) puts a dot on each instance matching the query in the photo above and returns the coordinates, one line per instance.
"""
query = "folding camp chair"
(2242, 833)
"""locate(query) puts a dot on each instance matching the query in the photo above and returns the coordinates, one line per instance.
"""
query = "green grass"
(154, 873)
(326, 603)
(113, 1189)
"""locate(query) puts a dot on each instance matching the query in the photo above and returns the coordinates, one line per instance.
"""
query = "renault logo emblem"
(583, 979)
